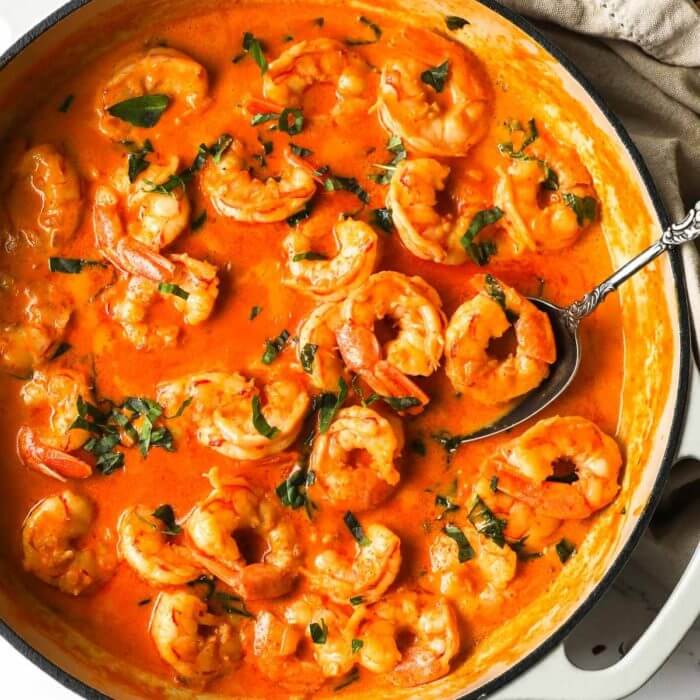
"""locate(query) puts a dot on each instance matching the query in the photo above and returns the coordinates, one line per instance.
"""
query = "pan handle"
(556, 678)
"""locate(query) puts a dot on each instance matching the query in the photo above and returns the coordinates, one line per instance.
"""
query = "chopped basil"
(401, 403)
(436, 77)
(496, 292)
(149, 435)
(308, 255)
(448, 441)
(395, 146)
(333, 183)
(376, 30)
(480, 252)
(417, 446)
(66, 104)
(300, 151)
(137, 161)
(319, 21)
(355, 528)
(62, 349)
(263, 117)
(291, 121)
(287, 38)
(226, 600)
(356, 645)
(303, 213)
(585, 208)
(144, 601)
(493, 484)
(204, 580)
(174, 289)
(508, 149)
(219, 147)
(144, 110)
(182, 408)
(319, 632)
(307, 356)
(254, 48)
(483, 519)
(72, 266)
(351, 678)
(382, 219)
(465, 551)
(170, 185)
(198, 221)
(274, 347)
(518, 546)
(551, 179)
(453, 22)
(293, 491)
(166, 515)
(329, 404)
(259, 421)
(564, 550)
(447, 503)
(254, 312)
(357, 600)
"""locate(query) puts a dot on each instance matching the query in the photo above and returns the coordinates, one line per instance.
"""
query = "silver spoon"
(565, 323)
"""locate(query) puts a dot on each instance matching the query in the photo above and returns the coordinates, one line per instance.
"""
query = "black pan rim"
(677, 421)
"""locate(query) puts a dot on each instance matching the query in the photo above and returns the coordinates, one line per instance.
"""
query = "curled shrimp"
(536, 467)
(49, 450)
(412, 198)
(488, 315)
(432, 624)
(331, 279)
(235, 507)
(368, 574)
(412, 305)
(444, 122)
(157, 71)
(57, 548)
(146, 547)
(539, 213)
(197, 644)
(46, 194)
(235, 193)
(354, 461)
(317, 339)
(315, 61)
(223, 410)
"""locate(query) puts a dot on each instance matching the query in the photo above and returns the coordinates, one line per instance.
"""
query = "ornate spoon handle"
(676, 234)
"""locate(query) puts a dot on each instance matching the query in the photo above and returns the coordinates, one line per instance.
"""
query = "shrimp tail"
(51, 461)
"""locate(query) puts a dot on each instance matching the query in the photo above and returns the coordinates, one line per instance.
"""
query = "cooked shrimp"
(412, 198)
(197, 644)
(432, 623)
(200, 281)
(57, 548)
(235, 507)
(537, 217)
(148, 550)
(370, 572)
(315, 61)
(534, 464)
(222, 410)
(488, 315)
(353, 263)
(28, 342)
(414, 306)
(435, 122)
(317, 340)
(49, 450)
(235, 193)
(157, 71)
(46, 177)
(354, 461)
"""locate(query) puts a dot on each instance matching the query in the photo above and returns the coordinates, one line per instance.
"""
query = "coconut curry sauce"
(446, 178)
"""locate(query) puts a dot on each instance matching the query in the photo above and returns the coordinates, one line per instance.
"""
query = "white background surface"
(615, 622)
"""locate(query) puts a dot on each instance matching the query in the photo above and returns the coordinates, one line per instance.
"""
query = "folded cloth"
(643, 56)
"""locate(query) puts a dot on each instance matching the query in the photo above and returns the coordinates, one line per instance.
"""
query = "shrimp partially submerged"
(57, 547)
(561, 467)
(432, 624)
(489, 315)
(412, 305)
(412, 198)
(316, 61)
(331, 279)
(159, 71)
(237, 194)
(46, 197)
(445, 118)
(150, 551)
(354, 461)
(49, 451)
(547, 196)
(317, 349)
(226, 410)
(368, 574)
(234, 507)
(197, 644)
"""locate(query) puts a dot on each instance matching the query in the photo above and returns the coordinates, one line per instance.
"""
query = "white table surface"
(612, 626)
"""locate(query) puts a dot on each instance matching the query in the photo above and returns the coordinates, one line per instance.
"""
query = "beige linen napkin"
(643, 56)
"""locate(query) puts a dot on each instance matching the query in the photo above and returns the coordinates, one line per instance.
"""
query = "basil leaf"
(518, 546)
(274, 347)
(329, 403)
(401, 403)
(564, 550)
(296, 124)
(62, 349)
(304, 213)
(382, 219)
(170, 185)
(483, 519)
(254, 48)
(166, 515)
(259, 421)
(508, 149)
(309, 255)
(254, 312)
(307, 355)
(319, 21)
(376, 30)
(319, 632)
(447, 503)
(220, 146)
(293, 491)
(204, 580)
(453, 22)
(465, 551)
(352, 677)
(352, 523)
(448, 441)
(495, 291)
(136, 159)
(72, 266)
(66, 104)
(263, 117)
(356, 645)
(436, 77)
(551, 179)
(198, 221)
(357, 600)
(300, 151)
(585, 208)
(395, 146)
(333, 183)
(480, 253)
(493, 484)
(225, 599)
(144, 110)
(174, 289)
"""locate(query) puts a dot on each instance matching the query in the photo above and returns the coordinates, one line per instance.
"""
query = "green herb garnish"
(274, 347)
(382, 219)
(166, 515)
(376, 30)
(307, 355)
(291, 121)
(308, 255)
(447, 503)
(480, 252)
(395, 146)
(198, 221)
(453, 22)
(356, 645)
(259, 421)
(436, 77)
(353, 524)
(357, 600)
(72, 266)
(144, 111)
(585, 208)
(300, 151)
(483, 519)
(304, 213)
(254, 312)
(66, 104)
(174, 289)
(319, 632)
(329, 404)
(254, 48)
(564, 550)
(465, 551)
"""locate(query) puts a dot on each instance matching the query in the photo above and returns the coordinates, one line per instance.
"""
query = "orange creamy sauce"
(251, 262)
